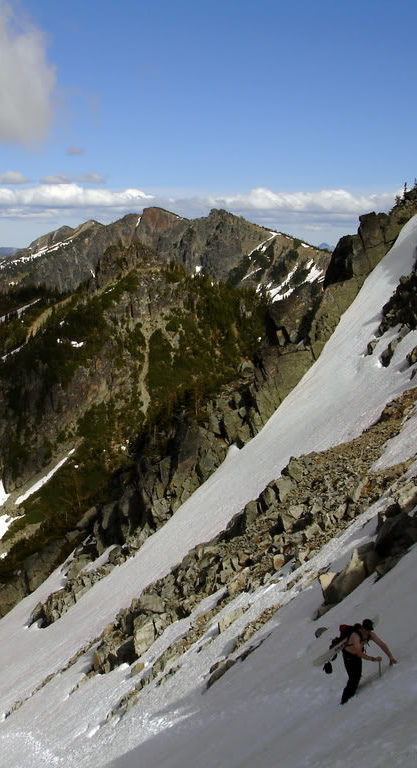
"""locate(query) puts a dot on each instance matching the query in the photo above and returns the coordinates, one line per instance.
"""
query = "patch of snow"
(13, 352)
(138, 221)
(262, 246)
(77, 344)
(314, 274)
(251, 273)
(275, 293)
(282, 296)
(19, 311)
(46, 250)
(43, 480)
(5, 522)
(3, 495)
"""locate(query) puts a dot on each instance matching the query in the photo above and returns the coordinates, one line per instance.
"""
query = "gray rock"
(87, 519)
(219, 670)
(150, 602)
(346, 581)
(284, 485)
(143, 637)
(294, 470)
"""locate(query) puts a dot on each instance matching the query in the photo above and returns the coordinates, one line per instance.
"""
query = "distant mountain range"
(4, 252)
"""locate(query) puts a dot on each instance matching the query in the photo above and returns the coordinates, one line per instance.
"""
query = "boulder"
(143, 636)
(278, 562)
(284, 485)
(347, 580)
(291, 515)
(150, 602)
(294, 470)
(396, 535)
(325, 579)
(87, 519)
(218, 670)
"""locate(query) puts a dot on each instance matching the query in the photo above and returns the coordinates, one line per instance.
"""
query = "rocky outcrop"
(34, 570)
(352, 260)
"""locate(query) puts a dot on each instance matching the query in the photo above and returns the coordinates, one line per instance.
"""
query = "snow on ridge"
(250, 274)
(314, 274)
(263, 246)
(43, 480)
(3, 495)
(19, 311)
(12, 352)
(42, 252)
(275, 293)
(5, 523)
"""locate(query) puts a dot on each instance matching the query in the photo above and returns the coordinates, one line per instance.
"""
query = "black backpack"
(345, 630)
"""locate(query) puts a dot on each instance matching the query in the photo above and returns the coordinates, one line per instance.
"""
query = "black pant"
(353, 666)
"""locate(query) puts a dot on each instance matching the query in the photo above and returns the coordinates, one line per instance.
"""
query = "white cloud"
(337, 201)
(13, 177)
(50, 197)
(319, 216)
(27, 81)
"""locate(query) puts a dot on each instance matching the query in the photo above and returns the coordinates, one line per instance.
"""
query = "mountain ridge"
(148, 648)
(171, 456)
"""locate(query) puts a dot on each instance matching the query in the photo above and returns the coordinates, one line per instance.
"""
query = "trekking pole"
(379, 667)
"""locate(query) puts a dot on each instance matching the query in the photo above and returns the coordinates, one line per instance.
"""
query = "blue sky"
(299, 115)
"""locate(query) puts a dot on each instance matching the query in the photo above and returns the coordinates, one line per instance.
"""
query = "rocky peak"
(356, 255)
(51, 238)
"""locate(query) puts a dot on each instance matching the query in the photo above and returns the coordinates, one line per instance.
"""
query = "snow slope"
(272, 707)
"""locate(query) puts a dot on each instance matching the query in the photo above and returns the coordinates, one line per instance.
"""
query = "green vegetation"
(199, 349)
(51, 355)
(14, 329)
(218, 327)
(112, 296)
(238, 273)
(135, 343)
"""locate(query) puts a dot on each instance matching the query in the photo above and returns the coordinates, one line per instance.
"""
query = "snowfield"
(275, 708)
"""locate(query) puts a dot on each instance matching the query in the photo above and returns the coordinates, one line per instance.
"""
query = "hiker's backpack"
(345, 630)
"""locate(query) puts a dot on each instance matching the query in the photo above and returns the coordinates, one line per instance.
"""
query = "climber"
(353, 653)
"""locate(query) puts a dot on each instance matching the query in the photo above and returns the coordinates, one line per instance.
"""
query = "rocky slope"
(94, 375)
